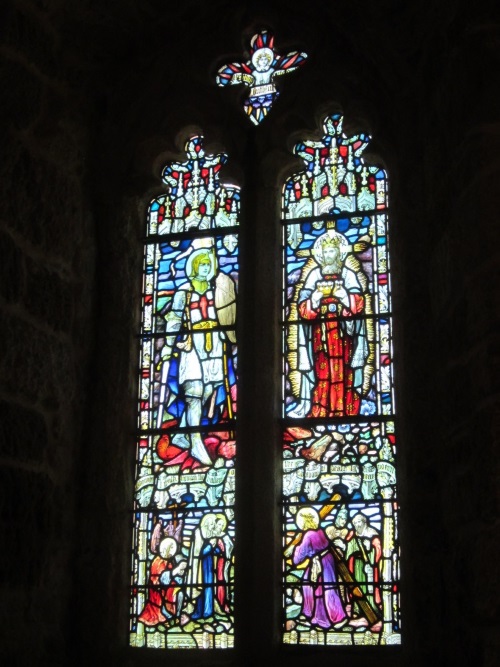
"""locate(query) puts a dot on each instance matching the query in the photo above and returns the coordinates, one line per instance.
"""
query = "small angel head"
(262, 59)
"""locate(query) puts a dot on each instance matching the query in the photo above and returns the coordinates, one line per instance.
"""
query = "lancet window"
(340, 536)
(182, 568)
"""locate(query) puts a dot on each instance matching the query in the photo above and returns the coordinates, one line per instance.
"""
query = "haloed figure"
(201, 349)
(321, 602)
(209, 565)
(164, 597)
(334, 351)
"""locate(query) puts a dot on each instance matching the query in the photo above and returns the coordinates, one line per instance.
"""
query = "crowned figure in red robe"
(333, 351)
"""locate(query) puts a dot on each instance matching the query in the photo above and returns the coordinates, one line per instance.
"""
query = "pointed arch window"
(341, 555)
(182, 574)
(339, 545)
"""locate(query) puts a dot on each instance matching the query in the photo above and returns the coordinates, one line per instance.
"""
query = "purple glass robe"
(321, 600)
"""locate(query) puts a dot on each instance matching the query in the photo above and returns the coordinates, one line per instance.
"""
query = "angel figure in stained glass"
(165, 595)
(259, 73)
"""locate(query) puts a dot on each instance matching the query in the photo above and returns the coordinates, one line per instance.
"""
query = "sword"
(163, 392)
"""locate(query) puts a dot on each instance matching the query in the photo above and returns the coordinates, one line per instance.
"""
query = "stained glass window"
(182, 561)
(340, 533)
(260, 74)
(340, 540)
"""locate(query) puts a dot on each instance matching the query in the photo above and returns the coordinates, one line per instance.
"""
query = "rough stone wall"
(94, 94)
(47, 249)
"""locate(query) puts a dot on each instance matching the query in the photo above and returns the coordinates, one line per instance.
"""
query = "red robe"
(333, 393)
(159, 596)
